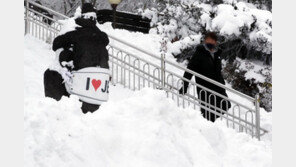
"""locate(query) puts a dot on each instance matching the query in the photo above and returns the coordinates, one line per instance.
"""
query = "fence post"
(27, 17)
(163, 69)
(257, 108)
(162, 65)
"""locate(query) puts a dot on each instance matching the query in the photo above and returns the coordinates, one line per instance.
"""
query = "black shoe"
(53, 85)
(86, 107)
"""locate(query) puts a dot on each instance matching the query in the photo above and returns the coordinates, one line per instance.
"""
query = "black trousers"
(216, 101)
(55, 88)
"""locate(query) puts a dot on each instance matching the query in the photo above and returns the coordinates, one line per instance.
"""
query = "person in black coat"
(85, 47)
(207, 62)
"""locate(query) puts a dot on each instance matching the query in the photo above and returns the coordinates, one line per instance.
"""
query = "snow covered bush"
(262, 4)
(236, 20)
(250, 78)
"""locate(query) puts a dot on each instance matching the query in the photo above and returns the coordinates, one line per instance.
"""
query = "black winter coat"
(203, 63)
(88, 43)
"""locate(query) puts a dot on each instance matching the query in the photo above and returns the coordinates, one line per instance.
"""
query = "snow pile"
(141, 128)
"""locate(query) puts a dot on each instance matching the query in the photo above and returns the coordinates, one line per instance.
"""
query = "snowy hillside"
(140, 128)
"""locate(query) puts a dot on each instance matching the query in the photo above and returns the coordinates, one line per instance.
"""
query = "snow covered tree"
(234, 21)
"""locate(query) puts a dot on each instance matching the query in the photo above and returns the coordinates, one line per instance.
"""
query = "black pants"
(55, 88)
(206, 97)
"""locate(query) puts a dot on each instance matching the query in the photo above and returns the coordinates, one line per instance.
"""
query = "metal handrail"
(184, 79)
(124, 66)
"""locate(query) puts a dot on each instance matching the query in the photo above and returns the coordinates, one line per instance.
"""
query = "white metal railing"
(135, 72)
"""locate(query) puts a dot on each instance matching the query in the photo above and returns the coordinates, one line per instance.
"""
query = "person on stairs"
(207, 62)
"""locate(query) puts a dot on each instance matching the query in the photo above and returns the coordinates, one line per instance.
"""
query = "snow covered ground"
(141, 128)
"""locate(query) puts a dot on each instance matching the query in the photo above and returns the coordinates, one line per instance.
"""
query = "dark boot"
(53, 85)
(86, 107)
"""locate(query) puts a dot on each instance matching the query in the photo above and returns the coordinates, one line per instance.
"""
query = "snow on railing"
(136, 72)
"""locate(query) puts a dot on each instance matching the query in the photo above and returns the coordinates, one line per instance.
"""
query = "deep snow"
(141, 128)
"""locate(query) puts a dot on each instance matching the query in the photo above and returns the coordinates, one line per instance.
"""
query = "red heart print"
(96, 83)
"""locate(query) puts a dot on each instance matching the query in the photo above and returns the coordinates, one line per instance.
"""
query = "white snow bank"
(145, 129)
(141, 128)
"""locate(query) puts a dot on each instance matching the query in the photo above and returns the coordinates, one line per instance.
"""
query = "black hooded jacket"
(203, 63)
(88, 43)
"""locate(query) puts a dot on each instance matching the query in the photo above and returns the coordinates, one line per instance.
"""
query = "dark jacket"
(203, 63)
(88, 43)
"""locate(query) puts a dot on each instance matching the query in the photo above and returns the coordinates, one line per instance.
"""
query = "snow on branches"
(186, 18)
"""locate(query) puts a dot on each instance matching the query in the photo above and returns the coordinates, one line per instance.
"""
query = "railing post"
(163, 69)
(27, 17)
(257, 108)
(162, 65)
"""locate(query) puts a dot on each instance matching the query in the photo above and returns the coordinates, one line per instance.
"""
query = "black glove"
(65, 57)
